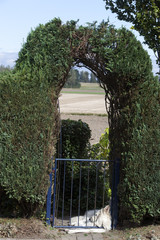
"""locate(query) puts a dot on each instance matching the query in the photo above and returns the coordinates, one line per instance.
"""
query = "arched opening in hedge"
(125, 72)
(52, 49)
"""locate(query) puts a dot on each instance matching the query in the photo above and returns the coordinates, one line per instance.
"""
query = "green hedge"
(139, 189)
(125, 72)
(26, 115)
(75, 138)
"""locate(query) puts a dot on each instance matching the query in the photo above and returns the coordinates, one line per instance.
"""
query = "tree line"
(5, 68)
(76, 77)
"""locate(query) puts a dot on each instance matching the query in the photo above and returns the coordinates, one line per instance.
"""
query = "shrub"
(101, 150)
(75, 138)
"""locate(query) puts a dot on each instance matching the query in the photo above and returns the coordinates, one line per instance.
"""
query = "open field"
(82, 103)
(90, 108)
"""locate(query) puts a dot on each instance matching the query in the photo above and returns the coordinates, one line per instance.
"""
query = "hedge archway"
(125, 72)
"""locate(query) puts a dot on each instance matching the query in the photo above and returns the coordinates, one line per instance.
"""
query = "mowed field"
(87, 104)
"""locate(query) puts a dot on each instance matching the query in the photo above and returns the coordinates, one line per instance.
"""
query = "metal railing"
(80, 185)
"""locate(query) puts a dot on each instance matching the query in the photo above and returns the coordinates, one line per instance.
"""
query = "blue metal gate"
(80, 185)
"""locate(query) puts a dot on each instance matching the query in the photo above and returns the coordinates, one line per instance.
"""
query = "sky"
(18, 17)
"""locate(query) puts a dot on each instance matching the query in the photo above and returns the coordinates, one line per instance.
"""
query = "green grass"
(82, 92)
(88, 114)
(86, 88)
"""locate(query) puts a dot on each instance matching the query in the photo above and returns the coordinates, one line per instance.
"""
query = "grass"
(86, 88)
(88, 114)
(82, 92)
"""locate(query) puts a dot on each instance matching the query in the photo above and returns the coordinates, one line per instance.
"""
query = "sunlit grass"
(86, 88)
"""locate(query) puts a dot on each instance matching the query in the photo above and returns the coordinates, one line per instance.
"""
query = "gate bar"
(54, 195)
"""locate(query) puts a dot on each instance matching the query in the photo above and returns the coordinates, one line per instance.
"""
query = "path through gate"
(80, 185)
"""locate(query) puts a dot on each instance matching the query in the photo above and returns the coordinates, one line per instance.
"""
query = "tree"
(145, 16)
(93, 78)
(73, 79)
(84, 76)
(4, 69)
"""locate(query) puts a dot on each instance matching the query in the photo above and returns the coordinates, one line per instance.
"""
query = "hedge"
(26, 123)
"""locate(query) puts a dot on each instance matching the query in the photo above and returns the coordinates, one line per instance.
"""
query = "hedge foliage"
(134, 129)
(75, 138)
(30, 96)
(140, 170)
(26, 123)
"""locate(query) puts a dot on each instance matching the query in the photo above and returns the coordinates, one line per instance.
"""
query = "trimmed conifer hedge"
(139, 188)
(28, 114)
(26, 123)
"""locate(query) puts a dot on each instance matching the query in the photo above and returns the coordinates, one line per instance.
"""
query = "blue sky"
(18, 17)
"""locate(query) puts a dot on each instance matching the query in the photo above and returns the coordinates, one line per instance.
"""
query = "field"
(88, 88)
(88, 104)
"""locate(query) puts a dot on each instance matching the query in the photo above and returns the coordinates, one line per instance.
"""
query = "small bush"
(101, 150)
(75, 138)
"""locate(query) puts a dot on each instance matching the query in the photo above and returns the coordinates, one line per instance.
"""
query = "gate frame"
(114, 198)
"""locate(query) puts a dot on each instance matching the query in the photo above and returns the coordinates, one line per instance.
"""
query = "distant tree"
(73, 79)
(93, 78)
(4, 69)
(84, 76)
(145, 16)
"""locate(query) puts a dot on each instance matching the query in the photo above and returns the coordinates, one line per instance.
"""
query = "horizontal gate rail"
(83, 160)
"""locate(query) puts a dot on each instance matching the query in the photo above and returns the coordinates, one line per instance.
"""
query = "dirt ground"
(36, 229)
(89, 108)
(82, 103)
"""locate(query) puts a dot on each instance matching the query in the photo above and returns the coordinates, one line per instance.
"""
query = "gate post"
(49, 195)
(114, 200)
(54, 191)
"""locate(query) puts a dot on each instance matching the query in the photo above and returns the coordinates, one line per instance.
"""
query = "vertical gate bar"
(54, 192)
(112, 199)
(49, 194)
(104, 182)
(71, 192)
(117, 168)
(57, 188)
(79, 202)
(87, 192)
(64, 182)
(96, 186)
(95, 199)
